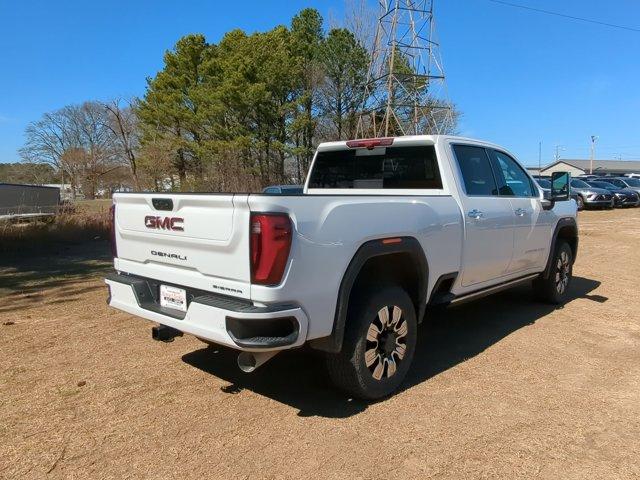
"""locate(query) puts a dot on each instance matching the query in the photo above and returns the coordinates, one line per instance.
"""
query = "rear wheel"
(378, 346)
(554, 289)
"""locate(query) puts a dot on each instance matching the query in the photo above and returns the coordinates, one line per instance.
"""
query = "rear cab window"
(387, 168)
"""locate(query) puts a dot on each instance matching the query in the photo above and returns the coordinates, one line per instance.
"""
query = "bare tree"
(74, 161)
(48, 139)
(359, 18)
(123, 124)
(98, 142)
(76, 141)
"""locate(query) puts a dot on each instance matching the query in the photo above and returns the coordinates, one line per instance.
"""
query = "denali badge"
(164, 223)
(168, 255)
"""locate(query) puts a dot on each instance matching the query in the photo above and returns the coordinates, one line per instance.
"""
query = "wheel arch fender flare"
(367, 251)
(566, 228)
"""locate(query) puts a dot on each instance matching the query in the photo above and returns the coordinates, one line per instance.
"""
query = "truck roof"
(407, 140)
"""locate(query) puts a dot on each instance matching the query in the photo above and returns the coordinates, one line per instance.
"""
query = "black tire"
(580, 202)
(379, 372)
(555, 288)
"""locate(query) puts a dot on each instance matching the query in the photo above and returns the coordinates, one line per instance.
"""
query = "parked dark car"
(623, 197)
(623, 182)
(284, 189)
(590, 196)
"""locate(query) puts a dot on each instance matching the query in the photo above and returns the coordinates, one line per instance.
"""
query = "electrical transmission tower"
(405, 92)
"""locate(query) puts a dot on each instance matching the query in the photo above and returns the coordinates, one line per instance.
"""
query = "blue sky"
(519, 77)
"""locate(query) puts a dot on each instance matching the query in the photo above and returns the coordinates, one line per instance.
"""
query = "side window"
(476, 170)
(511, 177)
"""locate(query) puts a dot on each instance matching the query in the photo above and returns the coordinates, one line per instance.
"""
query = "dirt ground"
(500, 388)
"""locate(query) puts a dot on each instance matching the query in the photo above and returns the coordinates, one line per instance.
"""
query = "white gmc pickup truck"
(384, 229)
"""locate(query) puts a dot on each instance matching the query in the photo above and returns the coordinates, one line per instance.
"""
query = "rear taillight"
(270, 245)
(112, 231)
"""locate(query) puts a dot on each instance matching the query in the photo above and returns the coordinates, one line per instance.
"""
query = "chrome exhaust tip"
(249, 361)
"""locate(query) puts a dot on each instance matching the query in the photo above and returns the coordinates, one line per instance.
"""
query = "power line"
(548, 12)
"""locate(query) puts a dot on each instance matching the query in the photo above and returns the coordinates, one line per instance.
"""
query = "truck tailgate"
(196, 240)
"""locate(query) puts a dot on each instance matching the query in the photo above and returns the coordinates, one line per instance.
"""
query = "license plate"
(172, 297)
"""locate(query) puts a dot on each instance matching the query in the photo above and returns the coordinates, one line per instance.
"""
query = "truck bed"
(208, 248)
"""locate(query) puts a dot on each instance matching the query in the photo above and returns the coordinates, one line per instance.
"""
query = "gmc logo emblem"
(164, 223)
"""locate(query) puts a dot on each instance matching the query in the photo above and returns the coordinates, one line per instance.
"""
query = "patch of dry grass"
(98, 205)
(65, 228)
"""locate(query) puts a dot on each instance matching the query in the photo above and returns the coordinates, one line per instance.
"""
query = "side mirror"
(560, 186)
(560, 190)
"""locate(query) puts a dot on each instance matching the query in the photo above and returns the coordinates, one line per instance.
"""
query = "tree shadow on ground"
(450, 337)
(63, 265)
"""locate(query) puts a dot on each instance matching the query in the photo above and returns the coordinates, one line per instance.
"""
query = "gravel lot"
(500, 388)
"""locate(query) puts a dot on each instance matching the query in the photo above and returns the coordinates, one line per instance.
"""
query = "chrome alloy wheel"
(563, 272)
(386, 345)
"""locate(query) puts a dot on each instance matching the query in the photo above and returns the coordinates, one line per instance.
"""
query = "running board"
(490, 290)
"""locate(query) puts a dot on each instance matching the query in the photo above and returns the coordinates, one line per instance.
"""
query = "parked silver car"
(590, 196)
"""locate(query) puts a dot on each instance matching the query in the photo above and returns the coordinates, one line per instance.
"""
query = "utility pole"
(593, 152)
(539, 156)
(558, 148)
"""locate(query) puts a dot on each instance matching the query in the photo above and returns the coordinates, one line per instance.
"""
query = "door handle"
(520, 212)
(477, 214)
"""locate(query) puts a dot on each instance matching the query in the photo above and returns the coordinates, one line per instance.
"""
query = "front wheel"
(580, 202)
(554, 289)
(378, 346)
